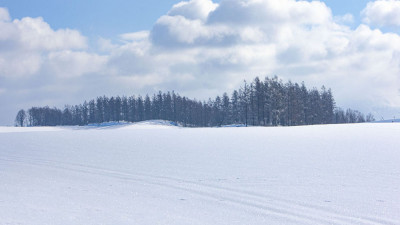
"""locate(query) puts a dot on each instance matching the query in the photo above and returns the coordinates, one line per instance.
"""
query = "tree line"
(258, 103)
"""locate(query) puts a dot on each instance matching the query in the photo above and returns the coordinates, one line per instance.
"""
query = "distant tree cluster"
(259, 103)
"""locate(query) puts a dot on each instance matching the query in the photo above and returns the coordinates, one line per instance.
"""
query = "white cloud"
(268, 12)
(177, 31)
(194, 9)
(4, 15)
(67, 63)
(344, 19)
(366, 39)
(19, 64)
(382, 13)
(136, 36)
(240, 21)
(105, 45)
(25, 43)
(35, 34)
(201, 49)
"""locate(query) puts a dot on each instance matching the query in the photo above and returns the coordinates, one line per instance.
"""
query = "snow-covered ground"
(156, 173)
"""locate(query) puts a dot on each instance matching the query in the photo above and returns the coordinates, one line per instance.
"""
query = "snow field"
(156, 173)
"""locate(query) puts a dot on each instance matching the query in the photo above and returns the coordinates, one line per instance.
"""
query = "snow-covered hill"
(154, 173)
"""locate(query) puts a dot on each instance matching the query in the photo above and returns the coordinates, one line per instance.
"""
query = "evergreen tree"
(132, 117)
(147, 108)
(124, 109)
(265, 103)
(235, 109)
(140, 108)
(226, 109)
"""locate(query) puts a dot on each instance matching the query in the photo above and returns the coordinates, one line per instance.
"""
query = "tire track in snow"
(267, 205)
(298, 219)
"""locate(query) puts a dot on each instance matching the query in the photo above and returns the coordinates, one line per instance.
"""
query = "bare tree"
(20, 118)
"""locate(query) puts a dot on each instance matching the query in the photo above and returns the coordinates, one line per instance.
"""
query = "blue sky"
(105, 18)
(109, 18)
(340, 7)
(64, 52)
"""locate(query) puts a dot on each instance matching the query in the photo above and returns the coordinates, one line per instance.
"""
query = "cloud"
(382, 13)
(297, 40)
(136, 36)
(344, 19)
(25, 43)
(40, 65)
(35, 34)
(66, 64)
(4, 15)
(268, 12)
(233, 22)
(200, 49)
(193, 10)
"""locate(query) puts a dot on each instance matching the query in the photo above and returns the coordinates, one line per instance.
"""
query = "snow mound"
(112, 124)
(152, 124)
(147, 124)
